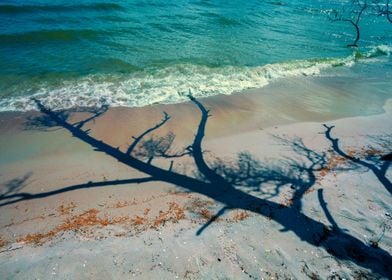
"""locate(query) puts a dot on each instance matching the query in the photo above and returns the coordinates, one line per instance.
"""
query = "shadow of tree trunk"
(216, 186)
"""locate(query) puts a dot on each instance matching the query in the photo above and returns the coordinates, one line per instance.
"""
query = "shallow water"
(134, 53)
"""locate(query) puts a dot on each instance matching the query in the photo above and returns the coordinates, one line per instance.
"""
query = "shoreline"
(195, 140)
(170, 85)
(284, 101)
(148, 229)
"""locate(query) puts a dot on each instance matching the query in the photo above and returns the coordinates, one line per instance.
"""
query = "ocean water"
(139, 52)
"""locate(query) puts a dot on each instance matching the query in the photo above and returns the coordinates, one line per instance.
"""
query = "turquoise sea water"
(134, 53)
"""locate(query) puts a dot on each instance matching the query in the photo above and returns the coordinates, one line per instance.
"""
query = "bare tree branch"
(384, 10)
(388, 13)
(358, 10)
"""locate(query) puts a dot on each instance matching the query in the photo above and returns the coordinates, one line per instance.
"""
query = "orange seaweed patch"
(333, 162)
(336, 160)
(365, 152)
(90, 218)
(205, 214)
(351, 153)
(2, 242)
(178, 211)
(137, 220)
(323, 172)
(173, 214)
(182, 194)
(86, 219)
(373, 152)
(66, 209)
(310, 190)
(121, 204)
(200, 203)
(36, 238)
(288, 203)
(287, 200)
(240, 216)
(200, 207)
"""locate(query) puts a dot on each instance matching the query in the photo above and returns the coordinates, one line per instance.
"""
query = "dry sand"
(148, 231)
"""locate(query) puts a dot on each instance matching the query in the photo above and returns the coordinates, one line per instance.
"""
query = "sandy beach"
(195, 139)
(307, 195)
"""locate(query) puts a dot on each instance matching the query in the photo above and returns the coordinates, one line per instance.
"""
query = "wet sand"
(148, 230)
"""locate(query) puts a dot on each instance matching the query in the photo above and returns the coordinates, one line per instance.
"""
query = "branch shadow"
(13, 186)
(227, 183)
(371, 160)
(11, 198)
(46, 123)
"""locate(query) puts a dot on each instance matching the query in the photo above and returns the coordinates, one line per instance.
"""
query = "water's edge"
(171, 85)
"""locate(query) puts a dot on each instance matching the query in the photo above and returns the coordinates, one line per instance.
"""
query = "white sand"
(148, 231)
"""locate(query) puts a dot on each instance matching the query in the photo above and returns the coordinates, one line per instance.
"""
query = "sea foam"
(171, 84)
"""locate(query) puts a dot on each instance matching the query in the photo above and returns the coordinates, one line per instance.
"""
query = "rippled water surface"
(134, 53)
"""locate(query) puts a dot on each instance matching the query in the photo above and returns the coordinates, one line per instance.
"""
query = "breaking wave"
(171, 84)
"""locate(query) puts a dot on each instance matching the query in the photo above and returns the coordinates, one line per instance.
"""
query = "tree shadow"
(14, 197)
(229, 183)
(370, 158)
(46, 123)
(246, 173)
(13, 186)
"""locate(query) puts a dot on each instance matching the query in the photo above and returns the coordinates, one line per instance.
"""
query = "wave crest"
(171, 84)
